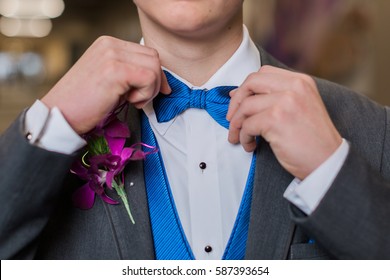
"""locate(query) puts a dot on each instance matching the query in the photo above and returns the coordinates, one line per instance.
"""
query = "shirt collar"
(243, 62)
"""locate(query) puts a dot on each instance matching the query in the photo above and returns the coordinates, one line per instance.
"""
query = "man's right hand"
(110, 70)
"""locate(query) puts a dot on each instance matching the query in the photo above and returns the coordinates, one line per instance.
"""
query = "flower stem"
(120, 190)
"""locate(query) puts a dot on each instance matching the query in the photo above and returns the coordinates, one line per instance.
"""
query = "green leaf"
(98, 146)
(120, 190)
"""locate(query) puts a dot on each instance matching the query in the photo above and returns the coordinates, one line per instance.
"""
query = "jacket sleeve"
(30, 185)
(353, 219)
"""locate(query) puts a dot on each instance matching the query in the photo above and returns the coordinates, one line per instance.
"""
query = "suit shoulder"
(350, 105)
(361, 121)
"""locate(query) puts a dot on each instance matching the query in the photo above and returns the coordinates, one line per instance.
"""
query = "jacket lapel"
(133, 241)
(270, 228)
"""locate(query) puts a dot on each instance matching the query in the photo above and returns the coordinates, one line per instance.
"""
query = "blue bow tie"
(215, 101)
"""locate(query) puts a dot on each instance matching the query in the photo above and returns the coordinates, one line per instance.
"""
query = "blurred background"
(344, 41)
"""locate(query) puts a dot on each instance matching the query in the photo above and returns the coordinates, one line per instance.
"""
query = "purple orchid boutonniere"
(104, 160)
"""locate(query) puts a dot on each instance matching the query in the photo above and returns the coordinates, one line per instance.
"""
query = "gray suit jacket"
(37, 219)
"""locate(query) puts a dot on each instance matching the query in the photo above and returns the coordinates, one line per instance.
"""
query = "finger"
(137, 59)
(146, 62)
(108, 42)
(270, 79)
(237, 116)
(164, 88)
(234, 131)
(280, 71)
(252, 105)
(232, 105)
(262, 82)
(248, 142)
(141, 104)
(251, 128)
(243, 109)
(237, 96)
(266, 83)
(232, 92)
(140, 95)
(142, 84)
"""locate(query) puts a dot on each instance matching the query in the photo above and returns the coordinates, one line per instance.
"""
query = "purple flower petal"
(115, 144)
(108, 199)
(84, 197)
(80, 170)
(127, 153)
(96, 184)
(106, 161)
(117, 129)
(138, 155)
(103, 169)
(152, 149)
(109, 178)
(100, 127)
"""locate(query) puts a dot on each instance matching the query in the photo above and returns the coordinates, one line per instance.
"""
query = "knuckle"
(110, 68)
(148, 80)
(249, 83)
(299, 83)
(249, 129)
(246, 105)
(156, 64)
(303, 84)
(148, 75)
(235, 124)
(104, 41)
(310, 81)
(236, 98)
(265, 68)
(251, 78)
(277, 114)
(154, 53)
(287, 107)
(289, 101)
(109, 53)
(245, 127)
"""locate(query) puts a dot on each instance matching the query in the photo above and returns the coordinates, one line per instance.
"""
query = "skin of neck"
(195, 56)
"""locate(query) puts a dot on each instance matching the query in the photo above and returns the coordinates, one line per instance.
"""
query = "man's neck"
(194, 59)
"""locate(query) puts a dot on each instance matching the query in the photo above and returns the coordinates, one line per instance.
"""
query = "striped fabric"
(215, 101)
(236, 247)
(170, 242)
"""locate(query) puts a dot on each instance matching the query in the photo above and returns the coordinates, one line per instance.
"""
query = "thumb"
(164, 88)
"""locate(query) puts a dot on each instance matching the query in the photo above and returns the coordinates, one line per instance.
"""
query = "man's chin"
(193, 30)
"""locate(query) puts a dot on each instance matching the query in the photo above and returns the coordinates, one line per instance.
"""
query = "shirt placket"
(205, 204)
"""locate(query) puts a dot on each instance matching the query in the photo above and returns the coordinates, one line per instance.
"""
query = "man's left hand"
(285, 108)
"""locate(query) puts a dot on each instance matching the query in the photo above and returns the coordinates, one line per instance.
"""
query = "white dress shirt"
(207, 200)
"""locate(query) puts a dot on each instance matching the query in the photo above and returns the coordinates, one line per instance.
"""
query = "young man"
(228, 183)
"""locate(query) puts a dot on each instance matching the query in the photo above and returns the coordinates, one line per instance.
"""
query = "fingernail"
(232, 92)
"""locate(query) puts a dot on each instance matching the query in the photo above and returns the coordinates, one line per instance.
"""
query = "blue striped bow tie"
(215, 101)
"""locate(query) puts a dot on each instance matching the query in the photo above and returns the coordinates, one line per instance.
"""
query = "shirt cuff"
(49, 130)
(307, 194)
